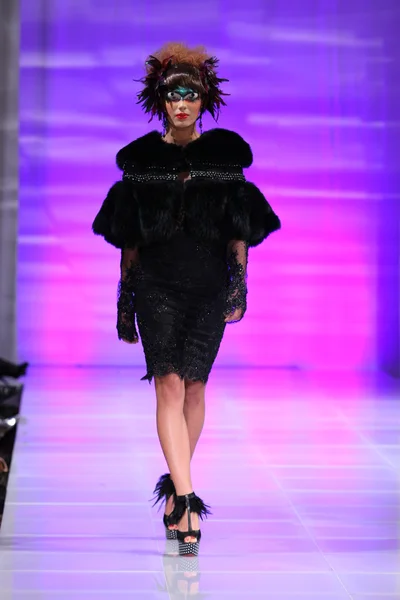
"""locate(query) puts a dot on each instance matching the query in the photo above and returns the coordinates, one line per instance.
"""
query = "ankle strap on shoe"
(184, 496)
(193, 504)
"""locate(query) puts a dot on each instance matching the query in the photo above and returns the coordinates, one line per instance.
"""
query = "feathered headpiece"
(167, 73)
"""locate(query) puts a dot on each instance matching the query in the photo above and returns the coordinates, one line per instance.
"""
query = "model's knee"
(194, 393)
(170, 390)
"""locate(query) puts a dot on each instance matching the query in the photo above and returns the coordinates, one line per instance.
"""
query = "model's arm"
(126, 326)
(237, 287)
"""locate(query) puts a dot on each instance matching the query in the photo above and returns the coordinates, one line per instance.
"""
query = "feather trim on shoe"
(164, 489)
(199, 507)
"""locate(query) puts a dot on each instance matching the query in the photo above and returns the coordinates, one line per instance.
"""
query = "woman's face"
(183, 107)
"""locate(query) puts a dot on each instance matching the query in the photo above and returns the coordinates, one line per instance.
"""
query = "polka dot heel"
(190, 548)
(171, 534)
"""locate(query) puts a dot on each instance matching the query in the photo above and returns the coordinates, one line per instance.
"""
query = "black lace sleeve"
(237, 275)
(126, 326)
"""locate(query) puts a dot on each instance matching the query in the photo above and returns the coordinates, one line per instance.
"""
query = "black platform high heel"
(193, 504)
(162, 492)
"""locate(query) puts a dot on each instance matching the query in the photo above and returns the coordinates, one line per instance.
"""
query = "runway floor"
(302, 471)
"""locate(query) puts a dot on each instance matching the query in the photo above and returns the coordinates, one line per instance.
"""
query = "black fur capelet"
(217, 203)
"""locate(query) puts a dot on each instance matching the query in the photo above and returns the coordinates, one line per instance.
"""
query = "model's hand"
(235, 316)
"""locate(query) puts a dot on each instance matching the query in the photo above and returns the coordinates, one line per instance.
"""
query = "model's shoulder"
(144, 150)
(222, 146)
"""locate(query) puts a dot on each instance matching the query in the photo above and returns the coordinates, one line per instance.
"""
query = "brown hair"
(181, 53)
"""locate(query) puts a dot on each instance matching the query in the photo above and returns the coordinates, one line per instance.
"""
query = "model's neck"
(181, 136)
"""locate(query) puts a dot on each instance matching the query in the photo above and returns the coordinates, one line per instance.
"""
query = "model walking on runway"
(183, 216)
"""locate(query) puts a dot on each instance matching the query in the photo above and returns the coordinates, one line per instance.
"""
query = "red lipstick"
(182, 116)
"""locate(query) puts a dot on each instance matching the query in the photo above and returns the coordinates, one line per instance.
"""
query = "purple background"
(313, 89)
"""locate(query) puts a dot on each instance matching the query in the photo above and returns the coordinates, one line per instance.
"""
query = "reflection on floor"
(302, 471)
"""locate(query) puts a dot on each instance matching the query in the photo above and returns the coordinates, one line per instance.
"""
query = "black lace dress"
(184, 225)
(181, 292)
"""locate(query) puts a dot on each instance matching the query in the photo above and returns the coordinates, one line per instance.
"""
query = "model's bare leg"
(174, 437)
(194, 411)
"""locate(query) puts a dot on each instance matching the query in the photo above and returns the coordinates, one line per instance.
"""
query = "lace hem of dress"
(162, 372)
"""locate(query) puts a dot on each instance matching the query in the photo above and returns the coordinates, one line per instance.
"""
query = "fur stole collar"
(216, 146)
